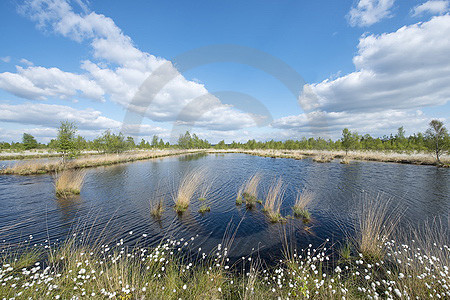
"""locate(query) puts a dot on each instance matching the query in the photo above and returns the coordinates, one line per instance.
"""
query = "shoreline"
(322, 156)
(36, 167)
(88, 160)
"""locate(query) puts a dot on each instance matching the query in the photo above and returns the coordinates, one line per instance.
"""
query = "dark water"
(115, 201)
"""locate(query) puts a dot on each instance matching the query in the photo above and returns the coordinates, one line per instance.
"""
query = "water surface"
(115, 201)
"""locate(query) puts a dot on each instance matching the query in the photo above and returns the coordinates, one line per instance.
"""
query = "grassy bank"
(41, 167)
(327, 156)
(406, 271)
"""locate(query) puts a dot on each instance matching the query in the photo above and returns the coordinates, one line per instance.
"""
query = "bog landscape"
(126, 176)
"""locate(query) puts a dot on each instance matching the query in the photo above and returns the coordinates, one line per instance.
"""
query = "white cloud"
(118, 73)
(406, 69)
(368, 12)
(435, 7)
(51, 116)
(330, 124)
(90, 123)
(26, 62)
(42, 83)
(5, 59)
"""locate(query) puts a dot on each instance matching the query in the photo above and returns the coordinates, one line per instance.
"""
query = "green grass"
(203, 209)
(75, 270)
(301, 213)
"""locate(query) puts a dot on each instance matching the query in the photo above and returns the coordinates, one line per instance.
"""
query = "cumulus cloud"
(331, 123)
(405, 69)
(51, 115)
(435, 7)
(369, 12)
(117, 72)
(42, 83)
(90, 122)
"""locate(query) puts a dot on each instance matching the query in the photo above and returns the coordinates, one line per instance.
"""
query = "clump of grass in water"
(69, 183)
(203, 209)
(187, 188)
(250, 191)
(239, 197)
(345, 161)
(301, 201)
(273, 201)
(323, 159)
(157, 208)
(377, 221)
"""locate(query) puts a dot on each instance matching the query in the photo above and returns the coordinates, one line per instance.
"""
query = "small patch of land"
(32, 167)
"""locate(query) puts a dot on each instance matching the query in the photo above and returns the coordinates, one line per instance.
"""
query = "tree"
(113, 143)
(437, 137)
(130, 142)
(155, 141)
(348, 140)
(65, 141)
(29, 142)
(185, 141)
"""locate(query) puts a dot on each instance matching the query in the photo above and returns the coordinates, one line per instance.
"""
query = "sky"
(232, 70)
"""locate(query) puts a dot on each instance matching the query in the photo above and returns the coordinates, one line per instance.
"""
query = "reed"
(69, 183)
(377, 221)
(344, 161)
(250, 190)
(239, 197)
(189, 184)
(302, 199)
(203, 209)
(273, 201)
(323, 158)
(157, 208)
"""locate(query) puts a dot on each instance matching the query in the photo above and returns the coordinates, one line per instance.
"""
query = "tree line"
(69, 143)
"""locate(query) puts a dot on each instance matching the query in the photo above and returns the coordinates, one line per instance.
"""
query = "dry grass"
(345, 161)
(377, 221)
(323, 158)
(273, 201)
(250, 190)
(53, 165)
(68, 183)
(189, 184)
(157, 208)
(429, 246)
(302, 199)
(419, 158)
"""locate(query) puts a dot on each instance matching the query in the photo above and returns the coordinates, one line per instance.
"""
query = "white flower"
(184, 287)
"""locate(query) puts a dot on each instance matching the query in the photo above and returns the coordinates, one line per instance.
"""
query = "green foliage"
(349, 140)
(29, 142)
(186, 141)
(65, 141)
(112, 143)
(437, 138)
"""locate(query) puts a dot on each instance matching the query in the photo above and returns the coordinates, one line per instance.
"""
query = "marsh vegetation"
(364, 256)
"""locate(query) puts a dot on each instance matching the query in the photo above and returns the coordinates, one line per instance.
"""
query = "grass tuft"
(157, 209)
(249, 191)
(203, 209)
(69, 183)
(187, 188)
(273, 201)
(301, 201)
(377, 222)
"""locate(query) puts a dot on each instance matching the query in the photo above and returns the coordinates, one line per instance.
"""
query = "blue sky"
(369, 65)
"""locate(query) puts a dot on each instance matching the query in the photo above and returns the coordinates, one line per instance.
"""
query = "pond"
(115, 202)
